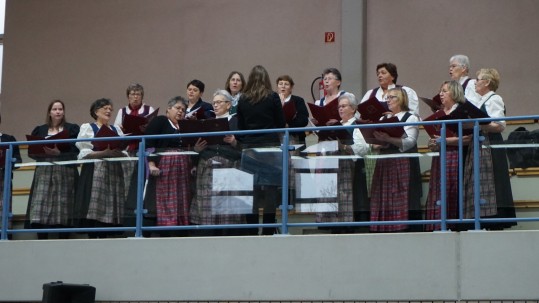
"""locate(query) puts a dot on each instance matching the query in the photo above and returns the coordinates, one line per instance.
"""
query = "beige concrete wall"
(79, 50)
(361, 267)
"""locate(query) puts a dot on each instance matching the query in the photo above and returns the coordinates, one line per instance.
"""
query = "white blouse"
(86, 147)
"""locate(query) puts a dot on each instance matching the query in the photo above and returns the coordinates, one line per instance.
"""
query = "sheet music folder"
(435, 129)
(325, 113)
(105, 132)
(135, 125)
(393, 131)
(289, 111)
(371, 110)
(203, 126)
(435, 103)
(38, 149)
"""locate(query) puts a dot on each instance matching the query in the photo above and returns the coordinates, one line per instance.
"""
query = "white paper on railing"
(323, 147)
(231, 179)
(316, 185)
(231, 205)
(317, 207)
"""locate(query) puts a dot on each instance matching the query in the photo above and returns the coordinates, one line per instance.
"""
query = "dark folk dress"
(100, 196)
(52, 194)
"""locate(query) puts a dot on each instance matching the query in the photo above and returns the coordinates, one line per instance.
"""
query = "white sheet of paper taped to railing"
(317, 207)
(231, 205)
(323, 185)
(231, 179)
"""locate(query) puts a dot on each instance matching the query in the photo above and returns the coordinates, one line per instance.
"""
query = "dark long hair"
(258, 85)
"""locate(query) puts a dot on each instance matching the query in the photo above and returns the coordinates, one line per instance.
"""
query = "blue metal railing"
(285, 207)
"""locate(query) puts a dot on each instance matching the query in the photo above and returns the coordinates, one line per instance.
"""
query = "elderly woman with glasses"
(101, 192)
(204, 209)
(495, 184)
(396, 183)
(459, 68)
(351, 201)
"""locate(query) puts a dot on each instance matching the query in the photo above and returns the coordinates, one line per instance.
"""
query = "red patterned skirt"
(389, 193)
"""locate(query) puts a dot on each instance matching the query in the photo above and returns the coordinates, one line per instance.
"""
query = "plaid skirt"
(173, 190)
(107, 196)
(486, 181)
(52, 195)
(389, 193)
(345, 210)
(451, 176)
(201, 207)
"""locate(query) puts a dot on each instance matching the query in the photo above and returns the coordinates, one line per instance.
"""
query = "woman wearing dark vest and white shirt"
(488, 80)
(459, 67)
(135, 106)
(101, 191)
(387, 78)
(396, 183)
(332, 84)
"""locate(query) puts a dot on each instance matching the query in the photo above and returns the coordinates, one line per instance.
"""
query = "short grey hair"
(351, 98)
(462, 60)
(224, 93)
(175, 100)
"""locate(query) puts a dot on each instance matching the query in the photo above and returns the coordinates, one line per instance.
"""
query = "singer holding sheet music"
(496, 184)
(135, 105)
(52, 194)
(352, 199)
(217, 156)
(294, 109)
(451, 95)
(196, 108)
(332, 84)
(396, 183)
(387, 78)
(101, 191)
(168, 193)
(459, 68)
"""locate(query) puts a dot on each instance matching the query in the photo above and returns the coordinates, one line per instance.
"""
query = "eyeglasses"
(219, 102)
(391, 97)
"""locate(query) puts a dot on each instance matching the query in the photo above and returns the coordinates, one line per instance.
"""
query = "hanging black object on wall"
(59, 292)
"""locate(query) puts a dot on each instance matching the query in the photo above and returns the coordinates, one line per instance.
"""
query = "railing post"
(141, 178)
(284, 192)
(461, 173)
(476, 174)
(443, 180)
(6, 196)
